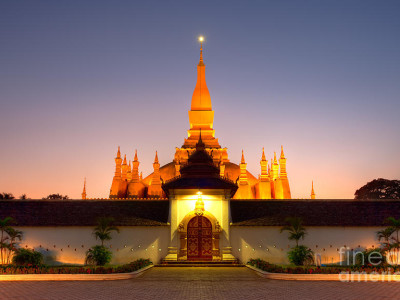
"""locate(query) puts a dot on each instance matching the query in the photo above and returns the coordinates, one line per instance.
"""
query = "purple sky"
(79, 78)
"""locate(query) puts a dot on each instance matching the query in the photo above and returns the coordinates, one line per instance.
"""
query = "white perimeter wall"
(145, 241)
(259, 241)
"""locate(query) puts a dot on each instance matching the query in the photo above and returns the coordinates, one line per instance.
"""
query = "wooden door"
(199, 239)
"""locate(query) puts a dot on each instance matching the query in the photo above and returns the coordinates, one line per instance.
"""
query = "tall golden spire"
(243, 171)
(84, 190)
(135, 168)
(312, 190)
(201, 115)
(154, 189)
(118, 162)
(282, 165)
(264, 165)
(201, 99)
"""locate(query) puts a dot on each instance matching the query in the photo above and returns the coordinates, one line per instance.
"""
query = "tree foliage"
(295, 229)
(98, 255)
(301, 255)
(379, 189)
(104, 229)
(25, 257)
(55, 197)
(6, 196)
(5, 227)
(391, 239)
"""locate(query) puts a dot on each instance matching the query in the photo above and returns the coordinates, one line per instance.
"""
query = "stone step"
(200, 264)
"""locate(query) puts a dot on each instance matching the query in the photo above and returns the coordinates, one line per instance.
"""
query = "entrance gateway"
(199, 215)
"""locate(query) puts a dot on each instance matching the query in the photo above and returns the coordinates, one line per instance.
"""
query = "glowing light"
(201, 38)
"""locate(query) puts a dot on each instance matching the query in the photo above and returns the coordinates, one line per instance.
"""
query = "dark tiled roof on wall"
(243, 212)
(314, 212)
(85, 212)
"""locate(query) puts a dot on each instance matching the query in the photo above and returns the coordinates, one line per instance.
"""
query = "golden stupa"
(273, 182)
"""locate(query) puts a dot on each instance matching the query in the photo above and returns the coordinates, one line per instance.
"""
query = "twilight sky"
(79, 78)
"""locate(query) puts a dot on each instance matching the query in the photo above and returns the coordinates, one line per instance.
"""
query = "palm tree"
(385, 235)
(5, 225)
(14, 235)
(394, 224)
(104, 229)
(295, 228)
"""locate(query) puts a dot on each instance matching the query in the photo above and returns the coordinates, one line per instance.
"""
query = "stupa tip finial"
(243, 161)
(201, 40)
(282, 153)
(136, 158)
(118, 152)
(84, 189)
(263, 155)
(156, 158)
(124, 162)
(312, 190)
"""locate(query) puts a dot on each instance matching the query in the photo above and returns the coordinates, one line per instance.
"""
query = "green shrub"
(301, 255)
(374, 256)
(98, 255)
(25, 257)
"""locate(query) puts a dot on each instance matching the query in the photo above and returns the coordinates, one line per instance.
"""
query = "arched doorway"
(199, 239)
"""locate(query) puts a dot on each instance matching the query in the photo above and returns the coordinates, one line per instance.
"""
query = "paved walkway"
(198, 283)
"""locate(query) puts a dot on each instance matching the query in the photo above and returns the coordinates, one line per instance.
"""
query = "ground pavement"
(198, 283)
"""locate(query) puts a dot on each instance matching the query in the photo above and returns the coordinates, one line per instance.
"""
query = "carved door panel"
(199, 239)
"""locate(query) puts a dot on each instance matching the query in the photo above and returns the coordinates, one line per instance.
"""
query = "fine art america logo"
(370, 260)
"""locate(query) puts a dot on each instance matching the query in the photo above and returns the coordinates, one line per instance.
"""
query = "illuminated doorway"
(199, 239)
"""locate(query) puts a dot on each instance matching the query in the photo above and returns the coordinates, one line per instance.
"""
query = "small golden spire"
(141, 176)
(124, 163)
(136, 158)
(118, 153)
(282, 153)
(156, 158)
(243, 161)
(275, 161)
(263, 155)
(312, 190)
(84, 190)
